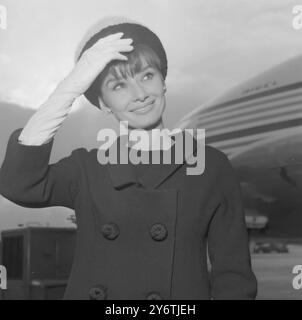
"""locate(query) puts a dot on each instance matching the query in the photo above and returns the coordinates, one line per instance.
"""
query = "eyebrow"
(121, 78)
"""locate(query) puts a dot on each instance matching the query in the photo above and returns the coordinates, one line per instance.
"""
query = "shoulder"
(216, 159)
(218, 167)
(226, 175)
(215, 155)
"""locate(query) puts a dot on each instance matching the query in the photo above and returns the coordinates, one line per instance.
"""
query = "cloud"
(5, 59)
(32, 93)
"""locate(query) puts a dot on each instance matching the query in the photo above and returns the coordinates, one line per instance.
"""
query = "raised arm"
(26, 177)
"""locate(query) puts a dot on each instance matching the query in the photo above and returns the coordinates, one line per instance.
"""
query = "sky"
(212, 45)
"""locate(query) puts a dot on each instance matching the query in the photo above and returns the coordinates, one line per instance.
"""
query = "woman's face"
(140, 99)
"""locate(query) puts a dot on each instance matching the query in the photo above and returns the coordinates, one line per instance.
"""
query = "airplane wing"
(274, 151)
(271, 170)
(270, 175)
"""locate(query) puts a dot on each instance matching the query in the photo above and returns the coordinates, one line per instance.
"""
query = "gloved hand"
(43, 125)
(94, 60)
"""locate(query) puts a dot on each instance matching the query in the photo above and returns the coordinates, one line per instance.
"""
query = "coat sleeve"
(27, 178)
(231, 274)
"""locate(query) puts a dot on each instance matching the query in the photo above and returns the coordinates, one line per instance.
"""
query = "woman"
(143, 230)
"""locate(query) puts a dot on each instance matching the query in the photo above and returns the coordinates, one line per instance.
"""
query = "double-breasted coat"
(140, 238)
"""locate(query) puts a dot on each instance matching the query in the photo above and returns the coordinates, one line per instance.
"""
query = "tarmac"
(274, 272)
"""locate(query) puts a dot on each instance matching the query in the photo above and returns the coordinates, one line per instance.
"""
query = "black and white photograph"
(151, 150)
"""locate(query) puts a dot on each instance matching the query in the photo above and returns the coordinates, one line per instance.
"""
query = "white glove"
(43, 125)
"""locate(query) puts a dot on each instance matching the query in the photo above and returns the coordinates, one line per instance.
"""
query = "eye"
(118, 86)
(149, 75)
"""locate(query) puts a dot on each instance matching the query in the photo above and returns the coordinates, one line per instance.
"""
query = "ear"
(103, 106)
(164, 87)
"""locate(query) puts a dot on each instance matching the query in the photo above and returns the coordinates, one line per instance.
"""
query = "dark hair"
(123, 69)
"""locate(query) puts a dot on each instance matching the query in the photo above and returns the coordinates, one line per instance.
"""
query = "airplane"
(258, 125)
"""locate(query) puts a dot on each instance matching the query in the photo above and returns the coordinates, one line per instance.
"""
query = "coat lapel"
(123, 175)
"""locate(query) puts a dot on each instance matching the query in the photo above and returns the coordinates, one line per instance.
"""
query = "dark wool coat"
(143, 239)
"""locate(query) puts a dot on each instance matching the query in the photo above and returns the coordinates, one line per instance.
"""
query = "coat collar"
(123, 175)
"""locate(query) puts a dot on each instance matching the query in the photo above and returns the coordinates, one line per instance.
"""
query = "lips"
(144, 109)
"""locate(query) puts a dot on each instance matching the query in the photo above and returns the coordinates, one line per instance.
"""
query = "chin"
(146, 124)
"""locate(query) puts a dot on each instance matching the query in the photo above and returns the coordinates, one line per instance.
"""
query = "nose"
(139, 92)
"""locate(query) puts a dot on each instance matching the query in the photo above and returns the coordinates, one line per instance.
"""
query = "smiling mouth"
(145, 109)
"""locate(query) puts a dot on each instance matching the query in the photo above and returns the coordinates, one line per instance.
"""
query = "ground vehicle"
(270, 247)
(38, 262)
(255, 221)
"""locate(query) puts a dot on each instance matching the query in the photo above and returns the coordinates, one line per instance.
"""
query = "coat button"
(98, 292)
(110, 231)
(158, 232)
(154, 296)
